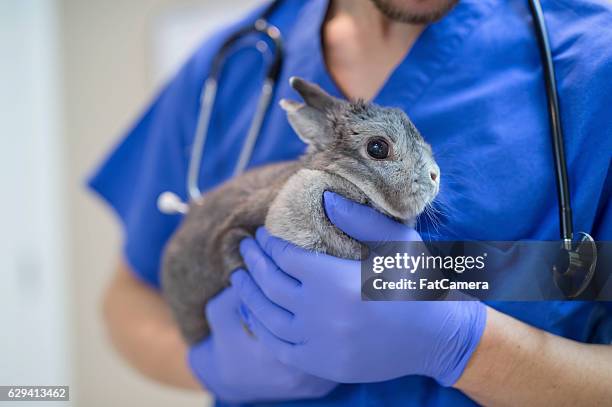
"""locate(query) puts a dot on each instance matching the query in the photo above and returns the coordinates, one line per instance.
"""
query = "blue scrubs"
(472, 84)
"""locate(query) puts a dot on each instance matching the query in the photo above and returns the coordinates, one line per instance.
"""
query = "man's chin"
(414, 11)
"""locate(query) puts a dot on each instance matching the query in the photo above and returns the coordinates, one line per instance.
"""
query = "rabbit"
(370, 154)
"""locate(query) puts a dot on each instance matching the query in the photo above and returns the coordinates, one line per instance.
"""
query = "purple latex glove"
(306, 308)
(236, 367)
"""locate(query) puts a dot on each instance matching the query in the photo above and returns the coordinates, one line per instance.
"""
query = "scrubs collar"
(303, 48)
(437, 47)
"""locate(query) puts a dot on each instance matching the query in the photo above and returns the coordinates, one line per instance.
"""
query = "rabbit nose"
(433, 175)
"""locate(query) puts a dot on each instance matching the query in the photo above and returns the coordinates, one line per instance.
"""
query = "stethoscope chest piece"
(169, 203)
(574, 268)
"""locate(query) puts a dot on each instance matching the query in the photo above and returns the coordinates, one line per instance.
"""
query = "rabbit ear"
(310, 120)
(313, 95)
(310, 124)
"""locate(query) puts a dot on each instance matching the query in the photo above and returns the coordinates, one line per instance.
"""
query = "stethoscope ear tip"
(169, 203)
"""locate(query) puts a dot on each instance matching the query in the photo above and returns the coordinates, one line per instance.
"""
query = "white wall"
(34, 334)
(180, 29)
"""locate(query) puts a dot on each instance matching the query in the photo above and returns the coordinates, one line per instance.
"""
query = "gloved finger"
(278, 286)
(202, 355)
(364, 223)
(301, 264)
(203, 363)
(289, 258)
(222, 309)
(276, 319)
(280, 348)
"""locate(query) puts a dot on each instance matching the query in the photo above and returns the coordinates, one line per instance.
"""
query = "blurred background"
(74, 74)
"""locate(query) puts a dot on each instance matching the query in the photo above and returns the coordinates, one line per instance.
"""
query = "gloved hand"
(236, 367)
(312, 316)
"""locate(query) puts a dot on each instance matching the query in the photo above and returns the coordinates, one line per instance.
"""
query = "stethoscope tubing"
(207, 100)
(209, 93)
(556, 133)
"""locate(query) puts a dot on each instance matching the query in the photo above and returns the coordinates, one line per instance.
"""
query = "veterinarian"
(469, 75)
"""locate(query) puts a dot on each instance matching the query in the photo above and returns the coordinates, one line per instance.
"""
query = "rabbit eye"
(378, 148)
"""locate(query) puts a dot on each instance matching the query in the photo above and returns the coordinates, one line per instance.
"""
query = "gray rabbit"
(370, 154)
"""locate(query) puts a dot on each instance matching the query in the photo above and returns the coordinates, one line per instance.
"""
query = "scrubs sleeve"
(592, 102)
(602, 232)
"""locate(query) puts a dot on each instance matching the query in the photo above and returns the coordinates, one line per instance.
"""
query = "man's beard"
(405, 15)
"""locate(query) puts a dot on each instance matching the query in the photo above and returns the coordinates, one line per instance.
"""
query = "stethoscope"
(575, 266)
(168, 202)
